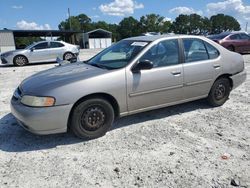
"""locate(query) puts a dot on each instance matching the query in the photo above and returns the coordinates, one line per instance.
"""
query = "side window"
(194, 50)
(41, 46)
(56, 45)
(244, 36)
(164, 53)
(235, 37)
(212, 51)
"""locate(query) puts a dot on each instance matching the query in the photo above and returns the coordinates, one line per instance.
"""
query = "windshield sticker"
(139, 44)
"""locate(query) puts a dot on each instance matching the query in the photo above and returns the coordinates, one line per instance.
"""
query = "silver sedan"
(134, 75)
(44, 51)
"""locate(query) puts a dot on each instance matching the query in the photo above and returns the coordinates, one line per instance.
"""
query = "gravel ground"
(179, 146)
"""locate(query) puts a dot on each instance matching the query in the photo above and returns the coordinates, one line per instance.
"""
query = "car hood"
(13, 51)
(58, 76)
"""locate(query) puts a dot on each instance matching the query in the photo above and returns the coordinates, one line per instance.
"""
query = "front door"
(159, 86)
(39, 52)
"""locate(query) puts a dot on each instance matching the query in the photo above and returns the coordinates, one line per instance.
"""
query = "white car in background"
(44, 51)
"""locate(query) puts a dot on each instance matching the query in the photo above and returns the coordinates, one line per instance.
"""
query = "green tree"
(221, 22)
(152, 23)
(165, 27)
(128, 27)
(181, 25)
(101, 24)
(206, 26)
(22, 42)
(78, 23)
(115, 34)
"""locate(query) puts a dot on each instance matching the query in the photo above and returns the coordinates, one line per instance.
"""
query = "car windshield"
(118, 55)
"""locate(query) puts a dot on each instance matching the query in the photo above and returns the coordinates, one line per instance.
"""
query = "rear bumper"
(239, 78)
(41, 121)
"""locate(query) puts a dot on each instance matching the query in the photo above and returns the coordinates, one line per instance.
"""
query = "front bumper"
(239, 78)
(6, 60)
(42, 121)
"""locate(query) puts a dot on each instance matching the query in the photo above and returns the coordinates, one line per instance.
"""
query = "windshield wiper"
(99, 66)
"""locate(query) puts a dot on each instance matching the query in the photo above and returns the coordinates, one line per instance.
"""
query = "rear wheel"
(231, 48)
(68, 56)
(92, 118)
(20, 60)
(219, 92)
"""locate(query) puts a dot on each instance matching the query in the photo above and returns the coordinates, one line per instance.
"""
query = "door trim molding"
(155, 90)
(198, 82)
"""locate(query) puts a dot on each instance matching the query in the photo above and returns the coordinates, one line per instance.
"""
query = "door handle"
(176, 73)
(216, 66)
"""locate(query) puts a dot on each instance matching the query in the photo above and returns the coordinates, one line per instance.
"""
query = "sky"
(47, 14)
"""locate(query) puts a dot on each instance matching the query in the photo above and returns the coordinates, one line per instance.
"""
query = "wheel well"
(104, 96)
(22, 56)
(228, 77)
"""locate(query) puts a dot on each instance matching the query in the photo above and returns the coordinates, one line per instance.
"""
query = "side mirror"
(32, 49)
(142, 65)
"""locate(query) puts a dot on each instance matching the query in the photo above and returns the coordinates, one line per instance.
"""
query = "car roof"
(156, 37)
(48, 41)
(225, 34)
(149, 38)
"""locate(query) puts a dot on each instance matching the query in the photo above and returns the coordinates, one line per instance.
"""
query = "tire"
(91, 118)
(231, 48)
(219, 92)
(20, 60)
(68, 56)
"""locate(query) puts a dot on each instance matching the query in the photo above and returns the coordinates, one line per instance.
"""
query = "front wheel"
(20, 60)
(219, 92)
(92, 118)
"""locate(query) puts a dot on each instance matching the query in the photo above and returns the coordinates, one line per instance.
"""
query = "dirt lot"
(179, 146)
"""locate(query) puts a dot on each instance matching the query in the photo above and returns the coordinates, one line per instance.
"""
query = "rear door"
(235, 42)
(56, 50)
(201, 64)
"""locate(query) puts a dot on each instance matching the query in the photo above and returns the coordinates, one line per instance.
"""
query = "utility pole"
(69, 19)
(246, 26)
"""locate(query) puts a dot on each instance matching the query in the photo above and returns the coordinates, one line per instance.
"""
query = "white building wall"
(99, 43)
(7, 42)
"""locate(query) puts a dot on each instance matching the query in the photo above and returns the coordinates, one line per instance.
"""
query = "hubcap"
(93, 118)
(68, 56)
(220, 92)
(20, 60)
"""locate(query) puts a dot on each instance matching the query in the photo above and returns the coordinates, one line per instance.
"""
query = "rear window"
(217, 37)
(212, 51)
(235, 37)
(195, 50)
(56, 45)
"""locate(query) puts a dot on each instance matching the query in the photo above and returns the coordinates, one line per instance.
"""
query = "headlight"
(37, 101)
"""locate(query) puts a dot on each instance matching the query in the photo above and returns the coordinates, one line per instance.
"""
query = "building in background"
(98, 38)
(10, 39)
(7, 42)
